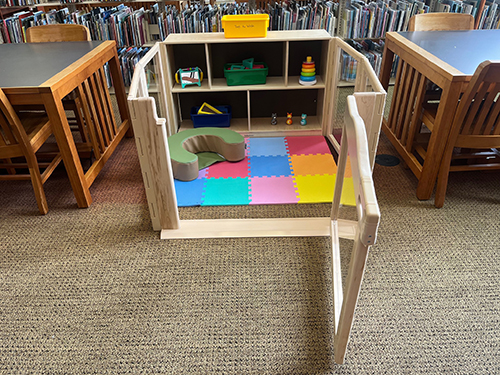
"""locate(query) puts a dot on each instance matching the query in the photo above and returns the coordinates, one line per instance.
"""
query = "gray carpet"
(96, 291)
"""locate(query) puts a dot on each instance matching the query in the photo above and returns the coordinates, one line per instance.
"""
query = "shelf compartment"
(263, 103)
(263, 124)
(237, 101)
(269, 53)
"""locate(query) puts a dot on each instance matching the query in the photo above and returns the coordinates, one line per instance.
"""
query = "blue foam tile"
(189, 193)
(270, 166)
(267, 147)
(226, 192)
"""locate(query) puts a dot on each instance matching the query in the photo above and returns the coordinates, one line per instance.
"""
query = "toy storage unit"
(252, 104)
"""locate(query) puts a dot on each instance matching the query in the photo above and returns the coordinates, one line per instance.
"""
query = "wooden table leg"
(444, 117)
(386, 67)
(66, 143)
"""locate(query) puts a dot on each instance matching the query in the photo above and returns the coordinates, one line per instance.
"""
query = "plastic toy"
(303, 120)
(308, 73)
(207, 109)
(289, 119)
(274, 119)
(189, 76)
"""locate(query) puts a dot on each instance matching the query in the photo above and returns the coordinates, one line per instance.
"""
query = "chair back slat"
(486, 110)
(478, 110)
(441, 21)
(57, 33)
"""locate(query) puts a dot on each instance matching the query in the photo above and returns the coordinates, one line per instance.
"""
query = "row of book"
(128, 58)
(292, 15)
(488, 19)
(373, 19)
(18, 3)
(371, 49)
(128, 27)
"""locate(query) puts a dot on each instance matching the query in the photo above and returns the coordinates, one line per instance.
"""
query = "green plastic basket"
(245, 76)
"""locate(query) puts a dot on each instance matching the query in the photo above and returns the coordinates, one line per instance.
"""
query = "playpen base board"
(244, 228)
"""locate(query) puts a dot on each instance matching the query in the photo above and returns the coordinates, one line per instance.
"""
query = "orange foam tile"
(304, 165)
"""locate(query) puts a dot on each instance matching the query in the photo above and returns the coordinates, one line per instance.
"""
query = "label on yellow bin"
(245, 25)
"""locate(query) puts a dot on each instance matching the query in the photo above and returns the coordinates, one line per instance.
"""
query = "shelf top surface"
(464, 50)
(272, 36)
(31, 64)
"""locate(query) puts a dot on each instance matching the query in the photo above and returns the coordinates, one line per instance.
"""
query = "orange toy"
(289, 119)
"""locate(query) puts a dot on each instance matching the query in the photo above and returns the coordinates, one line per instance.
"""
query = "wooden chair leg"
(36, 181)
(442, 181)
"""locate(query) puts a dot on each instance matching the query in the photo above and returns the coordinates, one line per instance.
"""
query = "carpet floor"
(94, 291)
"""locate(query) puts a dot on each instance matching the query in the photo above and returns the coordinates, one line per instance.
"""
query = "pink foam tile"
(307, 145)
(273, 190)
(226, 169)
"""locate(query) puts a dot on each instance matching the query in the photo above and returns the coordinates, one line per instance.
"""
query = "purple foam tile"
(203, 173)
(273, 190)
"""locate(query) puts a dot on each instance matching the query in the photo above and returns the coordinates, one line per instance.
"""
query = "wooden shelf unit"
(252, 105)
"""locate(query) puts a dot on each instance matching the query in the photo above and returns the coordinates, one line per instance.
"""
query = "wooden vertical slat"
(108, 124)
(494, 120)
(408, 80)
(108, 100)
(411, 106)
(100, 121)
(415, 121)
(473, 110)
(88, 122)
(93, 124)
(484, 110)
(395, 95)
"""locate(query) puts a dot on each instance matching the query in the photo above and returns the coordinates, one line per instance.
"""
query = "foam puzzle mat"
(278, 170)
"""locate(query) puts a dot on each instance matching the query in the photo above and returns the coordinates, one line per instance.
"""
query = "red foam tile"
(307, 145)
(226, 169)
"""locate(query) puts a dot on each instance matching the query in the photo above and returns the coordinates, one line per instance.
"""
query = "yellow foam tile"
(319, 189)
(319, 164)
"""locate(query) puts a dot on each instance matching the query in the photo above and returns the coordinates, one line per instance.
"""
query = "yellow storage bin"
(245, 25)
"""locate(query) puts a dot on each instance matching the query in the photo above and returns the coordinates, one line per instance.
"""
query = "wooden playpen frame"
(361, 129)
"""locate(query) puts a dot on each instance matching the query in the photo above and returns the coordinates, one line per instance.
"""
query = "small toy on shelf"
(303, 120)
(189, 76)
(308, 73)
(207, 109)
(247, 72)
(289, 119)
(274, 118)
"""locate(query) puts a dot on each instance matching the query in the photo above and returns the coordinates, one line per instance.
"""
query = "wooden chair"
(64, 33)
(441, 21)
(21, 137)
(57, 33)
(475, 127)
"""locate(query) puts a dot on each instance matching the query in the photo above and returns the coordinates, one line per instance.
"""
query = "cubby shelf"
(252, 105)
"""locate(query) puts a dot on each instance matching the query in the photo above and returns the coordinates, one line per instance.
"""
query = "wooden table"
(447, 58)
(44, 73)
